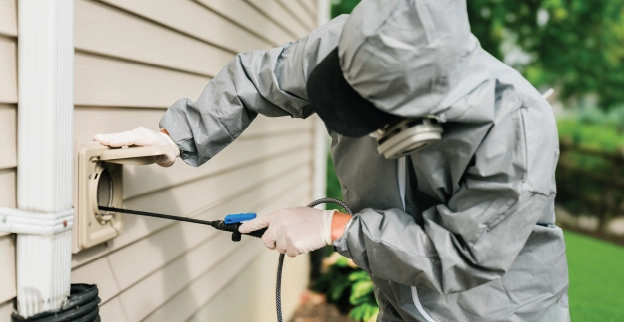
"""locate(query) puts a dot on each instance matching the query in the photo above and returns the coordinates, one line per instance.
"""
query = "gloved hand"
(141, 137)
(293, 231)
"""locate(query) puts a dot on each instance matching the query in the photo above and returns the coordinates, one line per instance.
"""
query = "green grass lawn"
(596, 279)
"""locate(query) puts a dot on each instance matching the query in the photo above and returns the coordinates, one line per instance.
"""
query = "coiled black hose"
(81, 306)
(278, 283)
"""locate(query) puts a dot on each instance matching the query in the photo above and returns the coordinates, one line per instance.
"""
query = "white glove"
(141, 137)
(293, 231)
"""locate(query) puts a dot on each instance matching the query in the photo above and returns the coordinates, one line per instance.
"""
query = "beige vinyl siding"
(8, 17)
(8, 151)
(193, 19)
(7, 268)
(250, 287)
(6, 309)
(209, 283)
(112, 311)
(8, 69)
(104, 30)
(7, 187)
(8, 136)
(282, 17)
(252, 21)
(134, 59)
(297, 9)
(310, 6)
(98, 83)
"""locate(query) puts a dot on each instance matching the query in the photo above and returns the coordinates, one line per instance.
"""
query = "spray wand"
(230, 222)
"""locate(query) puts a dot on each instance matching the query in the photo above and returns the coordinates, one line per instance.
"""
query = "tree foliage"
(576, 45)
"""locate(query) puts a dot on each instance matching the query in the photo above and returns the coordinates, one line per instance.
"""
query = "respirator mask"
(346, 112)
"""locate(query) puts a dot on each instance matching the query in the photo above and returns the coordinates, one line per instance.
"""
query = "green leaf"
(361, 292)
(342, 262)
(359, 275)
(364, 312)
(358, 313)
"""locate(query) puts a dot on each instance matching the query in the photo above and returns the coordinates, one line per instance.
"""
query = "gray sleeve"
(270, 82)
(471, 240)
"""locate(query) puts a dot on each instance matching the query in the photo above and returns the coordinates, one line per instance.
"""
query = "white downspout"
(321, 138)
(45, 143)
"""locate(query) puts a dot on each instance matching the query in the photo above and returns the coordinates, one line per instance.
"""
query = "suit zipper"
(402, 176)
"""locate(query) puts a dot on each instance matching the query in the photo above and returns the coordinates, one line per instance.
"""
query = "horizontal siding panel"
(300, 13)
(108, 82)
(128, 264)
(89, 255)
(278, 14)
(8, 136)
(193, 19)
(310, 6)
(102, 29)
(217, 281)
(246, 16)
(97, 272)
(7, 188)
(149, 179)
(6, 309)
(112, 311)
(7, 268)
(146, 296)
(89, 121)
(200, 291)
(251, 285)
(8, 17)
(200, 199)
(8, 70)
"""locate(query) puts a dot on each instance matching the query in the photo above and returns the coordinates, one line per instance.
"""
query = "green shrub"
(349, 287)
(591, 115)
(615, 118)
(599, 136)
(589, 168)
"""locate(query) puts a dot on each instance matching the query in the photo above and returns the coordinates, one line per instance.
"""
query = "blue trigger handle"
(238, 218)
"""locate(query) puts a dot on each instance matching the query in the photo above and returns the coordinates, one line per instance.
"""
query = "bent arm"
(269, 82)
(471, 240)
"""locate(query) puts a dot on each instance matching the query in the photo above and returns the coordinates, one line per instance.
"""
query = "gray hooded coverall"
(462, 230)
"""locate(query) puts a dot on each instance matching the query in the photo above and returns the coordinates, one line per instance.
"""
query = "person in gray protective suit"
(460, 230)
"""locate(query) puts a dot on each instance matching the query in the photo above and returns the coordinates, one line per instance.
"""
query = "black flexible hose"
(81, 306)
(278, 283)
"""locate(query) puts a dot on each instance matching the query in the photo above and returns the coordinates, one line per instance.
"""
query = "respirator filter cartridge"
(407, 136)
